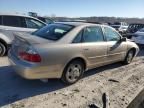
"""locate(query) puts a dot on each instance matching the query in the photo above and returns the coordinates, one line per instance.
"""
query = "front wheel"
(129, 57)
(73, 72)
(2, 49)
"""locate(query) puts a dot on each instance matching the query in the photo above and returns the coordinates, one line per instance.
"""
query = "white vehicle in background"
(138, 37)
(10, 23)
(121, 27)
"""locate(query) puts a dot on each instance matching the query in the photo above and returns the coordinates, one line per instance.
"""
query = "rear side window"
(0, 20)
(78, 37)
(11, 21)
(93, 34)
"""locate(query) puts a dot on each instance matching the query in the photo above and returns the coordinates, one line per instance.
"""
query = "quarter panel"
(57, 56)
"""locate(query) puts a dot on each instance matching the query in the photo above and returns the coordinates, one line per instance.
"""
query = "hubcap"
(73, 72)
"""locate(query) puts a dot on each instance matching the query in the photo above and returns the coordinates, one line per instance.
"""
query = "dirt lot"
(111, 86)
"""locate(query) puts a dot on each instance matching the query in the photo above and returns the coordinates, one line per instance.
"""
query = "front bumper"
(32, 71)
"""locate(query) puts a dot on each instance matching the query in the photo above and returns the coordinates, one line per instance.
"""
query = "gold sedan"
(65, 50)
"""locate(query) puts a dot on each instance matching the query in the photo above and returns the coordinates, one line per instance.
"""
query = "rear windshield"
(53, 31)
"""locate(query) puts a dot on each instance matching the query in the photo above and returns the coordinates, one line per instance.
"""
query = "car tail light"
(30, 55)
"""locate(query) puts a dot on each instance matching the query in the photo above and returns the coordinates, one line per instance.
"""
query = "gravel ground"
(111, 86)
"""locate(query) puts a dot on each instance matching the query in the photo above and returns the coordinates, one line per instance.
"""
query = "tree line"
(102, 19)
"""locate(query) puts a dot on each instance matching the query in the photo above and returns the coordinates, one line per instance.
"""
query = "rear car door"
(94, 46)
(116, 48)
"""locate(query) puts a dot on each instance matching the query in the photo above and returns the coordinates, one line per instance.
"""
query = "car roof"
(16, 14)
(77, 23)
(19, 15)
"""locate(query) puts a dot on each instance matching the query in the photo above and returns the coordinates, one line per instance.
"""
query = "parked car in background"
(46, 20)
(65, 50)
(10, 23)
(121, 27)
(138, 37)
(132, 29)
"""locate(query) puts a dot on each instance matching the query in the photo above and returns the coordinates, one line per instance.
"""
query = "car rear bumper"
(32, 71)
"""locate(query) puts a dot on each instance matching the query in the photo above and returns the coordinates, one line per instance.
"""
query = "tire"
(73, 72)
(129, 57)
(2, 49)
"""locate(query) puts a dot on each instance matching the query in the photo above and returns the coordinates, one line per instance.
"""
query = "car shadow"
(14, 88)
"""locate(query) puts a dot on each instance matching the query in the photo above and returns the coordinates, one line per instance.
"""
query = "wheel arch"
(4, 43)
(133, 49)
(79, 59)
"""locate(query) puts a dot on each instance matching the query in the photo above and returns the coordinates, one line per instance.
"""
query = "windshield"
(53, 31)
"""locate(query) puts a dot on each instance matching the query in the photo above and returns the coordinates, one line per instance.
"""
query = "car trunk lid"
(24, 42)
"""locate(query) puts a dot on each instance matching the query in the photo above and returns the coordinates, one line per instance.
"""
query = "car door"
(116, 47)
(94, 46)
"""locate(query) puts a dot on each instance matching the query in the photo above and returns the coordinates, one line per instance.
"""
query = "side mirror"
(123, 39)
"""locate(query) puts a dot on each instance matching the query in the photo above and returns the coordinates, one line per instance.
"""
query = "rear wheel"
(73, 72)
(129, 57)
(2, 49)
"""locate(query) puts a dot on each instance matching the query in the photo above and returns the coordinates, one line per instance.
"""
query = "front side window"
(13, 21)
(111, 35)
(53, 31)
(93, 34)
(32, 23)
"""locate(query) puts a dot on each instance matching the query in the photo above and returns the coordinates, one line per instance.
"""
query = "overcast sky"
(76, 8)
